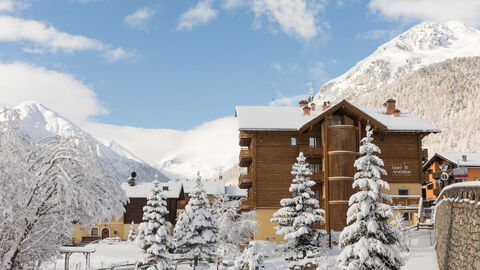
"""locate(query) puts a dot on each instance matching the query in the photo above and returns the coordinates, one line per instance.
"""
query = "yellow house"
(137, 195)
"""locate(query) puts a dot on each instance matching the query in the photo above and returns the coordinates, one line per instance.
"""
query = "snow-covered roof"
(291, 118)
(142, 190)
(235, 191)
(405, 122)
(473, 159)
(212, 187)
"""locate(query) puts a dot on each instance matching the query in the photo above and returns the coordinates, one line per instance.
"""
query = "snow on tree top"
(292, 118)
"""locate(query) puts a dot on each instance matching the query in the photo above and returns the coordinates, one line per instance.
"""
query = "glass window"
(402, 191)
(315, 142)
(336, 120)
(293, 141)
(165, 187)
(315, 167)
(94, 231)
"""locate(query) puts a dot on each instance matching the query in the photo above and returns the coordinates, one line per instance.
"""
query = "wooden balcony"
(247, 204)
(311, 151)
(245, 157)
(245, 180)
(244, 139)
(405, 200)
(317, 177)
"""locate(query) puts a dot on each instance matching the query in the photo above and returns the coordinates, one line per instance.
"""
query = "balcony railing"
(245, 180)
(311, 151)
(405, 200)
(245, 157)
(244, 139)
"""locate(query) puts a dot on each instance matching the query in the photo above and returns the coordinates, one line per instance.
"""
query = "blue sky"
(177, 71)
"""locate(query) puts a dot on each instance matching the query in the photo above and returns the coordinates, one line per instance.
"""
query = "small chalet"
(329, 136)
(445, 168)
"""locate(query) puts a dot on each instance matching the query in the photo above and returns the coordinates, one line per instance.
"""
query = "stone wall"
(457, 227)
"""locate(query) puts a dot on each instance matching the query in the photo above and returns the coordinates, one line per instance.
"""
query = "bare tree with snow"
(299, 215)
(153, 236)
(235, 229)
(196, 232)
(369, 242)
(45, 187)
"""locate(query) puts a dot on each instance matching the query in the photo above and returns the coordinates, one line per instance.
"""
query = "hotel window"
(293, 141)
(407, 216)
(402, 191)
(315, 142)
(94, 231)
(315, 167)
(165, 188)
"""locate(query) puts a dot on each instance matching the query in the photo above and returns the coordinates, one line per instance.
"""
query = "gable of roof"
(276, 118)
(455, 158)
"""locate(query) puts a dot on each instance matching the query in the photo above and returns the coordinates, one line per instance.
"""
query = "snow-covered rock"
(39, 122)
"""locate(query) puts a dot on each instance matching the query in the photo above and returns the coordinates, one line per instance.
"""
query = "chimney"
(464, 158)
(396, 113)
(326, 105)
(306, 110)
(312, 105)
(390, 106)
(303, 103)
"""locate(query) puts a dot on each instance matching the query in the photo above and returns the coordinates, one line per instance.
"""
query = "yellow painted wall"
(116, 227)
(265, 227)
(413, 188)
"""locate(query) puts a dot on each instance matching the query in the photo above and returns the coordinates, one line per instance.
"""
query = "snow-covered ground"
(422, 254)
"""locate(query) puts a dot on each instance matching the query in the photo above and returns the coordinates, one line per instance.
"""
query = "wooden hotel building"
(272, 137)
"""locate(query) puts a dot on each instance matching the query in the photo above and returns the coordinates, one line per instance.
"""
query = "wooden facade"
(330, 142)
(134, 210)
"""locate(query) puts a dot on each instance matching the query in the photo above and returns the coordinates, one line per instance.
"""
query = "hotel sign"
(460, 173)
(401, 169)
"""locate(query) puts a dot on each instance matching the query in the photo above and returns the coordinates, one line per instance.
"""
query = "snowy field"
(421, 254)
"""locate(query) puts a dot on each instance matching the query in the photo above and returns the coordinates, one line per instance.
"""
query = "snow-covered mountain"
(420, 46)
(40, 122)
(433, 71)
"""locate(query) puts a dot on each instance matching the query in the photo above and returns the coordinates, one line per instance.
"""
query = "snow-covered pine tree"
(153, 236)
(250, 259)
(369, 242)
(132, 233)
(299, 215)
(196, 232)
(235, 229)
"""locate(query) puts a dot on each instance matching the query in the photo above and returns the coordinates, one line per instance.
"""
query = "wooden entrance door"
(105, 233)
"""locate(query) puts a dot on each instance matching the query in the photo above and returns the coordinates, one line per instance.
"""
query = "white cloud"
(179, 151)
(6, 5)
(20, 82)
(118, 54)
(318, 73)
(277, 66)
(281, 100)
(202, 13)
(233, 4)
(139, 17)
(46, 37)
(295, 17)
(466, 11)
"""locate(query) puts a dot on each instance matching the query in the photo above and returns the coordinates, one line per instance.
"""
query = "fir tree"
(299, 215)
(195, 234)
(369, 242)
(153, 235)
(132, 233)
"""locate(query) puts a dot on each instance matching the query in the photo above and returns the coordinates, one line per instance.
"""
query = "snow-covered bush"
(250, 259)
(196, 232)
(235, 229)
(399, 223)
(369, 242)
(45, 187)
(153, 236)
(132, 233)
(299, 216)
